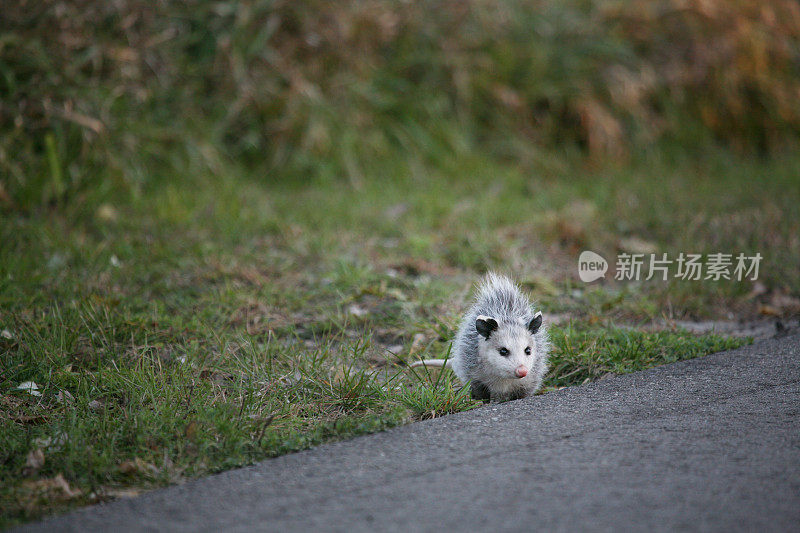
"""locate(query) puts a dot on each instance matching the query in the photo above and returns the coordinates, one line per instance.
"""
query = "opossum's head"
(508, 349)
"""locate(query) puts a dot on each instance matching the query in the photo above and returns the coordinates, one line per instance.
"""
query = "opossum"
(501, 347)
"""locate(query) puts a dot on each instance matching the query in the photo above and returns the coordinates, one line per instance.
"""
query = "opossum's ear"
(485, 325)
(535, 323)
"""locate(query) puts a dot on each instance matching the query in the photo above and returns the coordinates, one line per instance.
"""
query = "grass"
(209, 328)
(586, 354)
(118, 419)
(216, 323)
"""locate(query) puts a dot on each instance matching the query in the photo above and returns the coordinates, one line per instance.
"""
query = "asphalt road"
(711, 444)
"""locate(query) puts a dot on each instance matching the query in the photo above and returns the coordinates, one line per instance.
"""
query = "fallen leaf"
(55, 488)
(128, 467)
(65, 397)
(33, 462)
(138, 466)
(769, 310)
(120, 493)
(107, 213)
(29, 387)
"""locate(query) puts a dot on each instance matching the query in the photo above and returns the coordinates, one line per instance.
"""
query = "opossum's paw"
(479, 391)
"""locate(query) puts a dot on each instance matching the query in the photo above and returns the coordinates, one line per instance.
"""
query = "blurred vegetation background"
(104, 99)
(227, 226)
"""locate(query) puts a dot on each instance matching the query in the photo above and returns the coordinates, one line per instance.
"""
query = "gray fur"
(476, 359)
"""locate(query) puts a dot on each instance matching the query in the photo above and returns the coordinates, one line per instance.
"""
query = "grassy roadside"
(210, 328)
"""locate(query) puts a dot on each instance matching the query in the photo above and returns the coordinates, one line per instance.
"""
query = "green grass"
(582, 355)
(209, 328)
(115, 416)
(213, 324)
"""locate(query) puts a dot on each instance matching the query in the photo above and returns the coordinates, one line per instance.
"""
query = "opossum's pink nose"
(521, 371)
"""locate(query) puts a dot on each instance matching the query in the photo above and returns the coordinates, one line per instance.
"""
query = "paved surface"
(708, 444)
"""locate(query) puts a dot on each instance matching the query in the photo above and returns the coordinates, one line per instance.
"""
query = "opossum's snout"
(521, 371)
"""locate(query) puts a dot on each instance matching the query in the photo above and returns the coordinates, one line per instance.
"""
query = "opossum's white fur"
(476, 358)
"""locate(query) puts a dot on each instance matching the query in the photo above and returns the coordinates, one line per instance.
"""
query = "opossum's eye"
(528, 350)
(503, 352)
